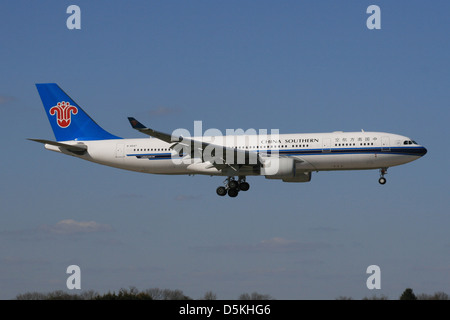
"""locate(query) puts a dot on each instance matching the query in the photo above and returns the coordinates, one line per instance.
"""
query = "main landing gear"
(232, 187)
(382, 179)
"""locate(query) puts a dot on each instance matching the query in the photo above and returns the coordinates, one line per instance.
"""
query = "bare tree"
(155, 293)
(166, 294)
(31, 296)
(436, 296)
(255, 296)
(209, 296)
(375, 297)
(344, 298)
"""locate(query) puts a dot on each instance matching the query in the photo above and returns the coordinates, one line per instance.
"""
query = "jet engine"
(284, 169)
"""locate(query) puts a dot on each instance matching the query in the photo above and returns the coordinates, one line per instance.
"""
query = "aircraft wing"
(228, 156)
(77, 149)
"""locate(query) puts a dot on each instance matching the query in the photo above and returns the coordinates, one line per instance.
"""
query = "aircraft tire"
(382, 180)
(233, 184)
(244, 186)
(233, 192)
(221, 191)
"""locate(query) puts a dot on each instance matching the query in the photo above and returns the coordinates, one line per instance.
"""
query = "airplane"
(286, 157)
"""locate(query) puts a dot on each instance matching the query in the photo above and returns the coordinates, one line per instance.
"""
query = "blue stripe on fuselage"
(409, 151)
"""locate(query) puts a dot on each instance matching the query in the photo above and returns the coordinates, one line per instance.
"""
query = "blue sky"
(296, 66)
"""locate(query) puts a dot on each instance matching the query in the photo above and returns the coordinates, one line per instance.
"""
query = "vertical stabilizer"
(68, 120)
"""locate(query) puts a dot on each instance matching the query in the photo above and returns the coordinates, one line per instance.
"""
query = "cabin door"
(119, 150)
(326, 146)
(385, 145)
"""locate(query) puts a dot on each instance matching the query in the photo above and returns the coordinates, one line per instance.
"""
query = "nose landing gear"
(233, 186)
(382, 179)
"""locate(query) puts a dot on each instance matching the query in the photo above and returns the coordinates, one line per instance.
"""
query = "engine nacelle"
(284, 169)
(299, 177)
(278, 168)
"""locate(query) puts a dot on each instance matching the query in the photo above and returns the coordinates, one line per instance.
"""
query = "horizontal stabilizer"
(77, 149)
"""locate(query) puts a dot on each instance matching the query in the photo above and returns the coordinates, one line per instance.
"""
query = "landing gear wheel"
(244, 186)
(233, 192)
(382, 179)
(233, 184)
(221, 191)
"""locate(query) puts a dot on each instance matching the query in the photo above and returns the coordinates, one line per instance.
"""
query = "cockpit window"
(409, 142)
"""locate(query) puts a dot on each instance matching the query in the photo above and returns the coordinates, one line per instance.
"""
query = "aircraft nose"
(423, 151)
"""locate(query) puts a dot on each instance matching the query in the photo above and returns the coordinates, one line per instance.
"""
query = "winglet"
(136, 124)
(153, 133)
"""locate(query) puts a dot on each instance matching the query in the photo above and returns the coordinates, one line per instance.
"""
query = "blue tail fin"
(68, 120)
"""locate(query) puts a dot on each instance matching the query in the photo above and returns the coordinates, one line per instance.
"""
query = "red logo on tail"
(63, 112)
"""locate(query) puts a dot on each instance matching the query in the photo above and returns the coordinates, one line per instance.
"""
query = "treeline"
(408, 294)
(166, 294)
(131, 294)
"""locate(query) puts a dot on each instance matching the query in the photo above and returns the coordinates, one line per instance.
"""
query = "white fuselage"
(314, 152)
